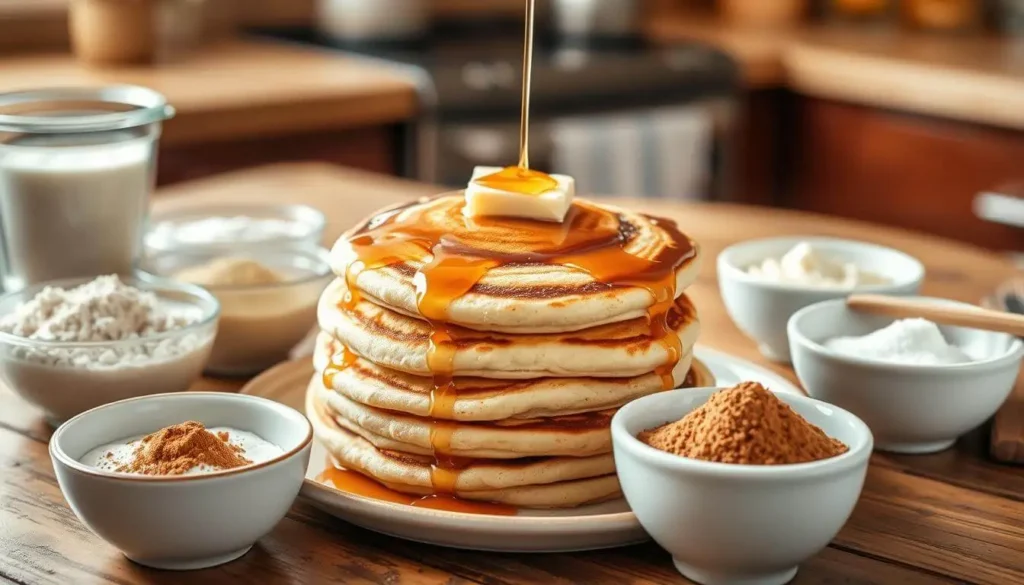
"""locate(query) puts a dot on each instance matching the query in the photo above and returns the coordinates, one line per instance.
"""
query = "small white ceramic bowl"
(728, 524)
(182, 522)
(909, 408)
(761, 308)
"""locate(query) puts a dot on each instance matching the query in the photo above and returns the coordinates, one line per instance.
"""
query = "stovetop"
(477, 69)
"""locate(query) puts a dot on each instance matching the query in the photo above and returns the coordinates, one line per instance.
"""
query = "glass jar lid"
(81, 109)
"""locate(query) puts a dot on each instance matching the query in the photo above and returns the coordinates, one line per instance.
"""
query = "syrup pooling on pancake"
(520, 180)
(354, 482)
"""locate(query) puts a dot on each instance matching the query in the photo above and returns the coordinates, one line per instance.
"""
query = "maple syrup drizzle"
(524, 105)
(463, 250)
(358, 484)
(463, 254)
(521, 179)
(340, 360)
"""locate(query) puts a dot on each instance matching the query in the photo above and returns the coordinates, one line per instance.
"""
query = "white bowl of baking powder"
(910, 407)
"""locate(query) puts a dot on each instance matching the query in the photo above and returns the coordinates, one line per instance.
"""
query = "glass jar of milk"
(77, 166)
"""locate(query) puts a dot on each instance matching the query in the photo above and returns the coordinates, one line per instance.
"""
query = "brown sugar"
(746, 424)
(179, 448)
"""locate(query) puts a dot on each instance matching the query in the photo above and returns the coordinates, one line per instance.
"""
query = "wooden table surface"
(951, 517)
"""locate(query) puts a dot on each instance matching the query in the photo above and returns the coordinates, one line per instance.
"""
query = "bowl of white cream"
(185, 480)
(918, 386)
(763, 282)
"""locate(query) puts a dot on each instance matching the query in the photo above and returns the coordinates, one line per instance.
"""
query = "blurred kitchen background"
(903, 112)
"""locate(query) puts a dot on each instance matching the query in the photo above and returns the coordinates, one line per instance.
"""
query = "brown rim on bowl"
(74, 464)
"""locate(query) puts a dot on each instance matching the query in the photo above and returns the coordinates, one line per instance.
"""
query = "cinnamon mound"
(176, 449)
(748, 425)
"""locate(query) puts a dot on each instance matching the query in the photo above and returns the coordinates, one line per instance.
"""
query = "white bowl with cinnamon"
(739, 485)
(182, 481)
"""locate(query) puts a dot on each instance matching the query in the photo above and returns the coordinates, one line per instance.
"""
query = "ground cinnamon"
(746, 424)
(178, 448)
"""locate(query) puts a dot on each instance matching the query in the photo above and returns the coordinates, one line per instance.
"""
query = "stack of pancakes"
(484, 358)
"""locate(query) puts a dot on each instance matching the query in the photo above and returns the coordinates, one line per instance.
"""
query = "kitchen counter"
(243, 89)
(975, 79)
(944, 518)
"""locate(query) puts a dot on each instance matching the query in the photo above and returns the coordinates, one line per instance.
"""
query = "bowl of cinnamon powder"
(185, 480)
(739, 485)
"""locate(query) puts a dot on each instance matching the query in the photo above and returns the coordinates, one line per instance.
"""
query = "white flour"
(219, 230)
(103, 310)
(908, 341)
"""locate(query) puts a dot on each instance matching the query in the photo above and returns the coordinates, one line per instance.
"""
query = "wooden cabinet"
(898, 169)
(372, 149)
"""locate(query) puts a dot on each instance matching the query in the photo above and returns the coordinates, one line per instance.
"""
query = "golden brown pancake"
(544, 482)
(482, 399)
(539, 283)
(396, 341)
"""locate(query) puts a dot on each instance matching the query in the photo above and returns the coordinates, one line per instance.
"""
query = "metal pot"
(373, 20)
(596, 18)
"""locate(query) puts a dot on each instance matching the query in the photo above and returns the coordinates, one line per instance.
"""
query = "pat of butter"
(550, 206)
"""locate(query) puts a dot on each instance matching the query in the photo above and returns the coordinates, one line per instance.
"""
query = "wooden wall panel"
(901, 170)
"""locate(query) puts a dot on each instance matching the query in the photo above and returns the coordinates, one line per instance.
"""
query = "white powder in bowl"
(103, 310)
(907, 341)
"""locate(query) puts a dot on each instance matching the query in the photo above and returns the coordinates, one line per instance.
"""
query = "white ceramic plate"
(586, 528)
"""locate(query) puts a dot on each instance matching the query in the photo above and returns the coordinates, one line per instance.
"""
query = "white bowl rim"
(725, 264)
(319, 254)
(854, 456)
(1013, 353)
(318, 220)
(58, 454)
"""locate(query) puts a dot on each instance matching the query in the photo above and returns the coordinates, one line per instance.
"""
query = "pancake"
(483, 399)
(538, 284)
(548, 482)
(577, 435)
(396, 341)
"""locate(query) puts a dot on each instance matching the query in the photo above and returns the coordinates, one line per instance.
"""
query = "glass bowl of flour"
(227, 226)
(71, 345)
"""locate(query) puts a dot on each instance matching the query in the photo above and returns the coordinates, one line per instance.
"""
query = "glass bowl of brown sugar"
(739, 485)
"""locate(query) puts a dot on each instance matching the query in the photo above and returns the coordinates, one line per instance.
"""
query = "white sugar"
(908, 341)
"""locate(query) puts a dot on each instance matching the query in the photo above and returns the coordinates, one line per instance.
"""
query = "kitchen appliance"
(621, 115)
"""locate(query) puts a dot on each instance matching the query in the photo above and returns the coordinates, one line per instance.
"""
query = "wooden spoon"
(973, 317)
